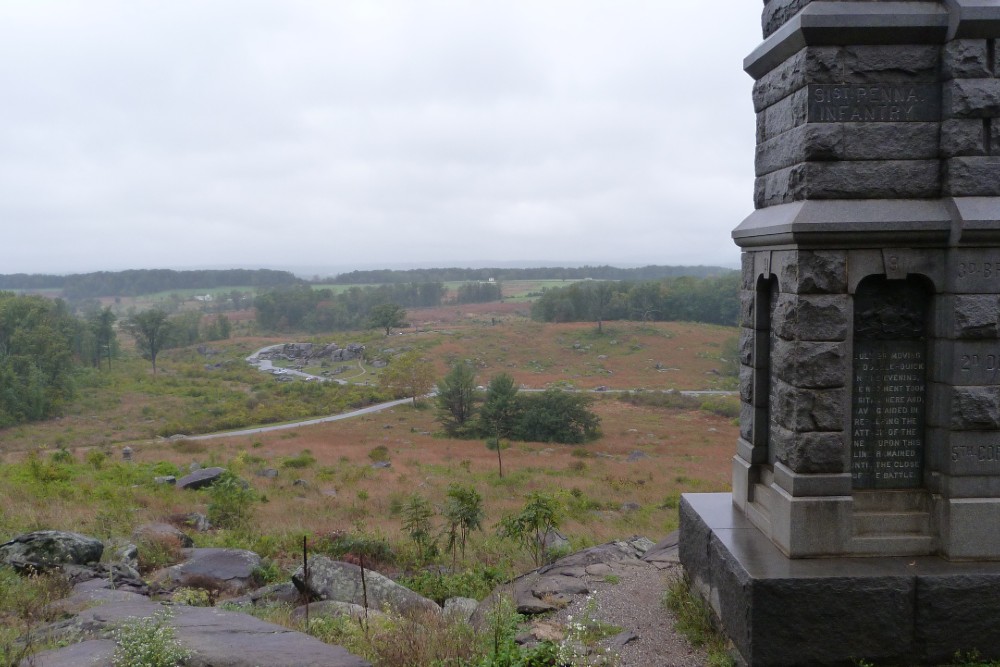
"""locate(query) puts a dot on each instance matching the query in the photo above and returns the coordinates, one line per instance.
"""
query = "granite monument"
(864, 521)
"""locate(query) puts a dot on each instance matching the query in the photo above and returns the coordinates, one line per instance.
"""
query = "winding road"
(266, 366)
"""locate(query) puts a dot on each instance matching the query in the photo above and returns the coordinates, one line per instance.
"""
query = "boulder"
(286, 592)
(333, 580)
(225, 569)
(161, 532)
(461, 608)
(47, 548)
(200, 478)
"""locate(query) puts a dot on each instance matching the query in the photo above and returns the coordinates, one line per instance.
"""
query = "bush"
(148, 642)
(303, 460)
(231, 502)
(476, 583)
(724, 406)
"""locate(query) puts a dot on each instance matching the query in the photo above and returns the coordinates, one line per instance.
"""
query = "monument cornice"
(848, 222)
(842, 23)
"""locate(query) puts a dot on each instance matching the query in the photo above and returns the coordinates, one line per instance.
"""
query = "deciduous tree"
(408, 375)
(387, 316)
(151, 330)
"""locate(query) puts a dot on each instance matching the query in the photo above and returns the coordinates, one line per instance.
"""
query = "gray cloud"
(281, 133)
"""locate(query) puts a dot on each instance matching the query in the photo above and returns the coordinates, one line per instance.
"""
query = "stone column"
(878, 157)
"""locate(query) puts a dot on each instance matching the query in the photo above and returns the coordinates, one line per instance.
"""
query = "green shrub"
(231, 502)
(474, 583)
(379, 454)
(303, 460)
(724, 406)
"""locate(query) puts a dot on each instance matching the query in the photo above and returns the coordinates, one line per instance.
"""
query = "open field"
(196, 393)
(671, 451)
(627, 482)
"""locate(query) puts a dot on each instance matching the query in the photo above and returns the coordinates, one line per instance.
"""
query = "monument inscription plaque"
(874, 103)
(890, 371)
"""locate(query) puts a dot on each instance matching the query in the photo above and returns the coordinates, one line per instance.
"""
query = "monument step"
(892, 523)
(759, 516)
(764, 496)
(892, 545)
(903, 500)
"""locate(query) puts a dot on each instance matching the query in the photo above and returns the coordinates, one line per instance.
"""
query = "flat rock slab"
(200, 479)
(232, 569)
(91, 653)
(216, 638)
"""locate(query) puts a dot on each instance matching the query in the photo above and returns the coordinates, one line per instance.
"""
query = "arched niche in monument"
(889, 385)
(767, 299)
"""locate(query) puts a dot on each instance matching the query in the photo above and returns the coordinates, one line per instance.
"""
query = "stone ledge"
(842, 23)
(856, 222)
(833, 611)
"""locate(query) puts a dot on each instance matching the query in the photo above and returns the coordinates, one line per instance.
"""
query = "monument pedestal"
(780, 611)
(866, 478)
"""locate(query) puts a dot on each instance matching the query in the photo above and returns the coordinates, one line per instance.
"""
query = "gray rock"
(90, 653)
(972, 98)
(963, 137)
(161, 532)
(215, 637)
(170, 480)
(664, 552)
(618, 642)
(554, 541)
(381, 464)
(972, 177)
(459, 607)
(200, 478)
(333, 580)
(976, 316)
(559, 585)
(976, 408)
(630, 507)
(810, 365)
(267, 473)
(965, 59)
(285, 592)
(46, 548)
(225, 569)
(812, 317)
(803, 410)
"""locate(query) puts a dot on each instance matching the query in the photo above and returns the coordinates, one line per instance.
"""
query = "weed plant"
(694, 621)
(148, 642)
(25, 605)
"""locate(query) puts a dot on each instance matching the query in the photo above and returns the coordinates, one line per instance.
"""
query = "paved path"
(266, 366)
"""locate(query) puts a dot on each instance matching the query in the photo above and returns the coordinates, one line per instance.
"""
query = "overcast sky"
(323, 135)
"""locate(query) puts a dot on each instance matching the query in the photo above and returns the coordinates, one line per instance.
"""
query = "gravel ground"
(635, 603)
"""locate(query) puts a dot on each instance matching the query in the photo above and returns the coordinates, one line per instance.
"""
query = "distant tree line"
(145, 281)
(300, 307)
(479, 292)
(651, 272)
(711, 300)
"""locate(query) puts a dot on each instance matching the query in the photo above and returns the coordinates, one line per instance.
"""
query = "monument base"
(834, 611)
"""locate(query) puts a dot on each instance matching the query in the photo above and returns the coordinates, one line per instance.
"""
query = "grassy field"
(67, 473)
